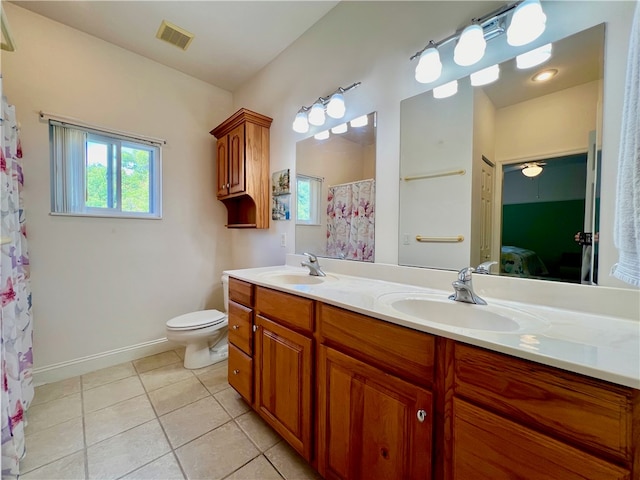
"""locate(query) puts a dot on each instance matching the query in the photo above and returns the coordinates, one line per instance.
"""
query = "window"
(309, 192)
(102, 174)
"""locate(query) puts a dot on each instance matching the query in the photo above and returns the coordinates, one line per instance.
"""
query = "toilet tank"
(225, 291)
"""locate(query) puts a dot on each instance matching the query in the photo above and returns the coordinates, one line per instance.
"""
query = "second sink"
(295, 278)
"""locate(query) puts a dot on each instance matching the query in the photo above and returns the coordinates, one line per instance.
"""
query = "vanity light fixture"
(485, 76)
(527, 23)
(361, 121)
(342, 128)
(323, 135)
(446, 90)
(534, 57)
(333, 105)
(531, 170)
(545, 75)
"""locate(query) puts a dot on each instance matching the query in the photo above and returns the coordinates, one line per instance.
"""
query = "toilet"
(204, 333)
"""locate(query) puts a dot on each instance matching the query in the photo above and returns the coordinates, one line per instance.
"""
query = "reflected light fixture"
(342, 128)
(361, 121)
(323, 135)
(527, 24)
(534, 57)
(429, 66)
(446, 90)
(545, 75)
(531, 170)
(485, 76)
(333, 105)
(471, 46)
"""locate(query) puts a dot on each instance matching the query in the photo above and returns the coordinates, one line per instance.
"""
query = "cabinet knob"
(422, 415)
(236, 371)
(236, 327)
(255, 328)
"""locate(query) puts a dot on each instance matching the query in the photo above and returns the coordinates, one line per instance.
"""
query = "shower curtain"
(351, 221)
(15, 298)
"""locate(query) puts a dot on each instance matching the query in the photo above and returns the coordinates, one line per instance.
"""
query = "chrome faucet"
(313, 265)
(464, 288)
(485, 267)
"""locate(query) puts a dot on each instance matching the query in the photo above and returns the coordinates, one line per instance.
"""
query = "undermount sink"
(439, 309)
(297, 278)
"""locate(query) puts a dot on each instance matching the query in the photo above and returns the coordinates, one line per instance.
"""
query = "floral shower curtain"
(351, 221)
(15, 298)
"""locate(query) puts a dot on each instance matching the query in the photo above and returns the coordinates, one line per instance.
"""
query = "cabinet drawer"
(404, 352)
(584, 411)
(241, 292)
(241, 373)
(241, 327)
(296, 312)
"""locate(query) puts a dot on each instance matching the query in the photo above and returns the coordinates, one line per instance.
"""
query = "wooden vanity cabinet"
(284, 366)
(242, 166)
(374, 422)
(240, 364)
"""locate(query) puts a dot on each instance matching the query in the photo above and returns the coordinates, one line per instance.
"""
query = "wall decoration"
(280, 184)
(281, 207)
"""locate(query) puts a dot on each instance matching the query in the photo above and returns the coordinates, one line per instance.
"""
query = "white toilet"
(204, 333)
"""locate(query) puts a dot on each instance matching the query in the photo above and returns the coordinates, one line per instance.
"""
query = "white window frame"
(61, 183)
(315, 200)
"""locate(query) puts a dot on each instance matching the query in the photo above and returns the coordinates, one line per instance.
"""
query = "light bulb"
(534, 57)
(339, 128)
(446, 90)
(300, 124)
(545, 75)
(527, 24)
(470, 47)
(322, 135)
(429, 66)
(316, 114)
(361, 121)
(336, 106)
(485, 76)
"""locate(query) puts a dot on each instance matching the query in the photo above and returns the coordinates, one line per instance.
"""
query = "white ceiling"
(233, 39)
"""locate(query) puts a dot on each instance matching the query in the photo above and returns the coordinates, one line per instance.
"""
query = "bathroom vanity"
(362, 390)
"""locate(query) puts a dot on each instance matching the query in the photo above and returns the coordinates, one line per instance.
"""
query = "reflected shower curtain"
(15, 298)
(351, 221)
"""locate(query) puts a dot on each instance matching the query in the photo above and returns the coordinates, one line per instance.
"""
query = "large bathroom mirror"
(508, 172)
(335, 191)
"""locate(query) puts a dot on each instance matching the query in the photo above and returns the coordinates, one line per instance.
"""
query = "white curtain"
(15, 298)
(69, 165)
(351, 221)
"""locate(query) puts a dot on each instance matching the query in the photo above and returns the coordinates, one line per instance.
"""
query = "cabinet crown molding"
(241, 116)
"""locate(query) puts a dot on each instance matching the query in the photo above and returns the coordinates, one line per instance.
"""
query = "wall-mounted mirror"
(468, 193)
(335, 191)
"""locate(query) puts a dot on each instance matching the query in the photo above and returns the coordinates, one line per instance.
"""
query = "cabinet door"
(372, 425)
(283, 362)
(222, 163)
(489, 447)
(236, 160)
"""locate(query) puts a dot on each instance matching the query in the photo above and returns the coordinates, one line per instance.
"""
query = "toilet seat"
(197, 320)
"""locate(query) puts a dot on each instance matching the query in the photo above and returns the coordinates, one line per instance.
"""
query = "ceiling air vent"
(174, 35)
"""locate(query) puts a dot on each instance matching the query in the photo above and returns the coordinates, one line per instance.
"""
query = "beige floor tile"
(163, 376)
(119, 455)
(165, 468)
(107, 375)
(52, 444)
(194, 420)
(214, 377)
(216, 454)
(56, 390)
(232, 402)
(51, 413)
(257, 469)
(289, 464)
(107, 395)
(67, 468)
(172, 397)
(117, 418)
(180, 352)
(201, 371)
(258, 431)
(156, 361)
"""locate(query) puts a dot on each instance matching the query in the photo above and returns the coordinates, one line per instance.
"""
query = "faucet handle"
(312, 257)
(485, 267)
(464, 275)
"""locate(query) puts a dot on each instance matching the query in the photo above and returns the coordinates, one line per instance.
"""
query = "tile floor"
(152, 419)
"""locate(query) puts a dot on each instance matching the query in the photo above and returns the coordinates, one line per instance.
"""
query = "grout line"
(84, 434)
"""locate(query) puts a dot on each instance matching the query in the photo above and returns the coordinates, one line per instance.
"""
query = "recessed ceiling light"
(544, 75)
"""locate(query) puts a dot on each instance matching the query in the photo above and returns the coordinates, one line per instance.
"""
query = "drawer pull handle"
(236, 327)
(422, 415)
(236, 372)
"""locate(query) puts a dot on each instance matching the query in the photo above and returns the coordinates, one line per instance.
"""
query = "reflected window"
(309, 190)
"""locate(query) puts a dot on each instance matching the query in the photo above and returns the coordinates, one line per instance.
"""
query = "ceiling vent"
(174, 35)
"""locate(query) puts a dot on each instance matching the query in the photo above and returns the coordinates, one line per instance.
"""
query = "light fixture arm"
(325, 100)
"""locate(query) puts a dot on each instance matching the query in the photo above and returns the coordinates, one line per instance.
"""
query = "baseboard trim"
(90, 363)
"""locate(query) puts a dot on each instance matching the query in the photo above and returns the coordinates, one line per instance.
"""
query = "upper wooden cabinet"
(242, 165)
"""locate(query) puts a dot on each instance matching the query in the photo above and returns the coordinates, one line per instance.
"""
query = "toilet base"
(200, 355)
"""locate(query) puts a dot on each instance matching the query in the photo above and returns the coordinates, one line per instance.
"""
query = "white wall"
(103, 284)
(371, 42)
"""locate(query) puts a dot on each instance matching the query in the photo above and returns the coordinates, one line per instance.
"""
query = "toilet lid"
(203, 318)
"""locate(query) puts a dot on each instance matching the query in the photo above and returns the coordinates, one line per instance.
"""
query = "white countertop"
(600, 346)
